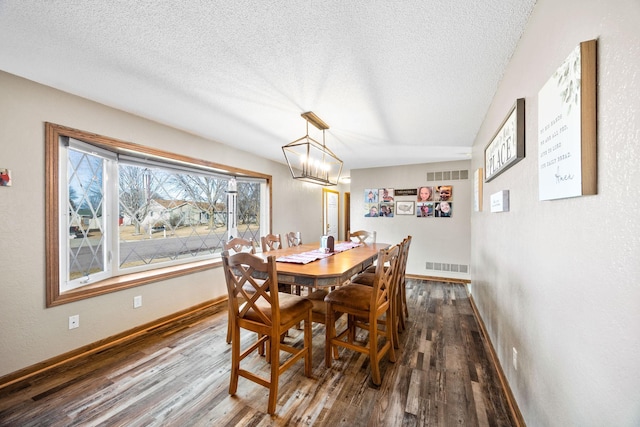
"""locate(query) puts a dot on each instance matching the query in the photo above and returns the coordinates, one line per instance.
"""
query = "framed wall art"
(567, 127)
(386, 195)
(477, 190)
(5, 177)
(507, 146)
(424, 209)
(405, 208)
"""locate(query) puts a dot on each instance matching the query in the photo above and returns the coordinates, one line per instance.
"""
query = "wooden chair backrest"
(384, 282)
(294, 238)
(363, 236)
(238, 244)
(239, 269)
(404, 256)
(271, 242)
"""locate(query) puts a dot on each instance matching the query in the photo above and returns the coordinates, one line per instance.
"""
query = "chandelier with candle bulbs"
(310, 160)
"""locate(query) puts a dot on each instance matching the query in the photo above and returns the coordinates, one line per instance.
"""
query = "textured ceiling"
(398, 82)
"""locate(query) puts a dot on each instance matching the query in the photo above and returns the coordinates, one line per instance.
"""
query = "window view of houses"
(164, 215)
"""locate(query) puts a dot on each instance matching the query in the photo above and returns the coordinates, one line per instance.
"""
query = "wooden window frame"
(53, 133)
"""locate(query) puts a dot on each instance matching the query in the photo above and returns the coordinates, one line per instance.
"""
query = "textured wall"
(442, 240)
(557, 280)
(31, 333)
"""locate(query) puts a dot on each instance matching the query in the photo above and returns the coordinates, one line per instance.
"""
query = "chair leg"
(308, 341)
(261, 348)
(392, 352)
(374, 354)
(274, 352)
(403, 289)
(268, 352)
(235, 360)
(351, 324)
(400, 312)
(330, 334)
(394, 323)
(229, 327)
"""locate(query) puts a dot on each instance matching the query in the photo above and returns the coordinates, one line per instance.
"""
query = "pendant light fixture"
(310, 160)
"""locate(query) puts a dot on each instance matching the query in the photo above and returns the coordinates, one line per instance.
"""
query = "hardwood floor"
(179, 376)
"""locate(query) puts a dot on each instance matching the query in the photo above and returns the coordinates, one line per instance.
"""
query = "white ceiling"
(398, 82)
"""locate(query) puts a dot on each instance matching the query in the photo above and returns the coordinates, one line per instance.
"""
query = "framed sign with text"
(567, 127)
(507, 146)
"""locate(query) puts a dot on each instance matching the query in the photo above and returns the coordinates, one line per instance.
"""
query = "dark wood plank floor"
(179, 376)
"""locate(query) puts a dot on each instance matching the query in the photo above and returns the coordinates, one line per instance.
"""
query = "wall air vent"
(443, 266)
(448, 175)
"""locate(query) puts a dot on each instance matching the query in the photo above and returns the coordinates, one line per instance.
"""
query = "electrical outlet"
(515, 358)
(137, 301)
(74, 321)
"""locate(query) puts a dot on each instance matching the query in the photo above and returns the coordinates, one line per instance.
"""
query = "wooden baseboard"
(437, 279)
(193, 313)
(513, 405)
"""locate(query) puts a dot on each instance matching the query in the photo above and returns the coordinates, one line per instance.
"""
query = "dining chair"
(362, 236)
(271, 242)
(268, 313)
(294, 238)
(402, 283)
(406, 243)
(319, 309)
(367, 307)
(367, 277)
(236, 245)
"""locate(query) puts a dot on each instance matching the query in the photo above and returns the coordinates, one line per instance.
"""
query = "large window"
(120, 215)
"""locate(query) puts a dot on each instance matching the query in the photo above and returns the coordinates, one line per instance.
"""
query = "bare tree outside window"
(249, 210)
(85, 222)
(169, 215)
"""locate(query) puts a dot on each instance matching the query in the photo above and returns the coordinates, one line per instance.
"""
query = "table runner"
(316, 254)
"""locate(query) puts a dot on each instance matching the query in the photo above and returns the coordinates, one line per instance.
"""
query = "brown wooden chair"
(268, 313)
(367, 278)
(402, 309)
(362, 236)
(367, 307)
(319, 310)
(402, 283)
(294, 238)
(236, 245)
(271, 242)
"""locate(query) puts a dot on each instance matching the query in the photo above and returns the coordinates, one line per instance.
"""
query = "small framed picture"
(386, 195)
(405, 208)
(371, 209)
(371, 195)
(425, 194)
(386, 209)
(444, 193)
(444, 209)
(5, 177)
(424, 210)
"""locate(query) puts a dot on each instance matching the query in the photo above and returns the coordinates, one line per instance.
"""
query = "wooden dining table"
(326, 272)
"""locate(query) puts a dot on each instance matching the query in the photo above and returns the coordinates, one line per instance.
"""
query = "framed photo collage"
(421, 202)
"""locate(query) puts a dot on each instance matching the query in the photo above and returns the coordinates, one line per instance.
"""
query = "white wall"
(442, 240)
(558, 280)
(31, 333)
